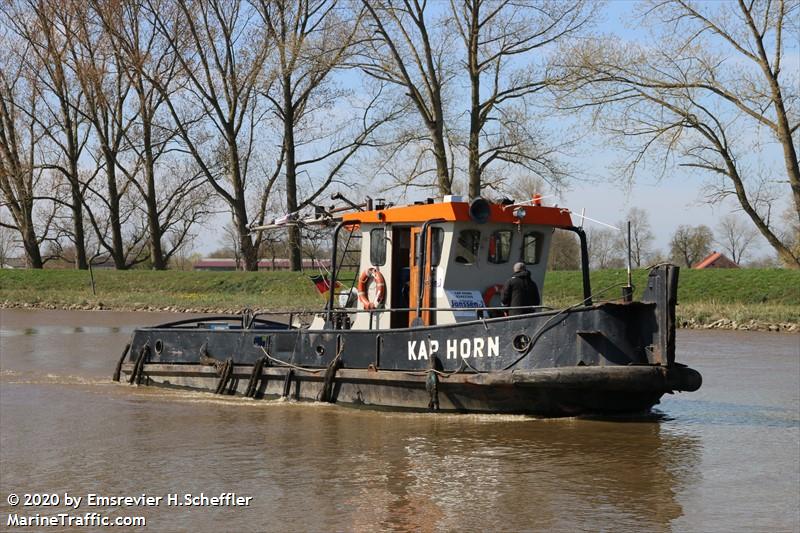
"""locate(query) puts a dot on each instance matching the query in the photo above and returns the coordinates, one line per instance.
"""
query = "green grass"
(704, 296)
(769, 295)
(142, 289)
(740, 286)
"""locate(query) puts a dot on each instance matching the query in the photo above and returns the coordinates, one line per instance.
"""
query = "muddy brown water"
(726, 458)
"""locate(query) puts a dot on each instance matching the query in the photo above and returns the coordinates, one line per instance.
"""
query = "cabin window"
(377, 247)
(530, 248)
(469, 241)
(437, 239)
(500, 246)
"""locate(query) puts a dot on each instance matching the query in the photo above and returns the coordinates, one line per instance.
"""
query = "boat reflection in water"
(558, 475)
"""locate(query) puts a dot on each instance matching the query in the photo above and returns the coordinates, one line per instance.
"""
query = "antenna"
(627, 291)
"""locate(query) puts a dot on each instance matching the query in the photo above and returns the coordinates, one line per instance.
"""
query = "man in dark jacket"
(520, 291)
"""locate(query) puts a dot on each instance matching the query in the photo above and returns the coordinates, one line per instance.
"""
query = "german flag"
(322, 283)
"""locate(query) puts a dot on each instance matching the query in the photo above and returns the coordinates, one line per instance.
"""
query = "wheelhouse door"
(423, 289)
(401, 276)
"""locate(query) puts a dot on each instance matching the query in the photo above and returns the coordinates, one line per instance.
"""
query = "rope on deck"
(290, 365)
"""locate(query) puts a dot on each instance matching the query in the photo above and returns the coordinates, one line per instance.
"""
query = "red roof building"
(715, 260)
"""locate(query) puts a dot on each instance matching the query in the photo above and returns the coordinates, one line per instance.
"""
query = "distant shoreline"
(741, 300)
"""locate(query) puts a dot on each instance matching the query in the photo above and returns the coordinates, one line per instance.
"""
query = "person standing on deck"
(520, 291)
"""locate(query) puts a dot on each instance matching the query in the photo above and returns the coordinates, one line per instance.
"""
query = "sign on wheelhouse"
(421, 325)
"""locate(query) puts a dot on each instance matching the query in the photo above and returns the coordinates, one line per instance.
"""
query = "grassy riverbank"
(763, 297)
(729, 299)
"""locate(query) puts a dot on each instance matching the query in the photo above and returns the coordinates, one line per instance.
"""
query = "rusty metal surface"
(551, 392)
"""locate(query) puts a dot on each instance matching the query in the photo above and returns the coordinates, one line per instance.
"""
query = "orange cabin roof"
(459, 212)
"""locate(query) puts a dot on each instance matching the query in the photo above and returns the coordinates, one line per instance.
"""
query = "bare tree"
(274, 245)
(641, 236)
(19, 175)
(604, 251)
(312, 39)
(231, 245)
(565, 252)
(214, 101)
(100, 69)
(171, 205)
(408, 50)
(499, 39)
(735, 237)
(690, 244)
(706, 93)
(8, 242)
(45, 28)
(766, 261)
(184, 257)
(791, 231)
(525, 187)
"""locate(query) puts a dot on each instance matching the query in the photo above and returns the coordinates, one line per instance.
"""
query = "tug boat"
(420, 326)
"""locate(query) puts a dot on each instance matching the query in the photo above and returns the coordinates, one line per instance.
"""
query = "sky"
(678, 198)
(673, 200)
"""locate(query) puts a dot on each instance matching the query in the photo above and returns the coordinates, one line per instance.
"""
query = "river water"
(726, 458)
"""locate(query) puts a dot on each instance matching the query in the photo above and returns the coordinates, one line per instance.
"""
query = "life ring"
(380, 288)
(490, 293)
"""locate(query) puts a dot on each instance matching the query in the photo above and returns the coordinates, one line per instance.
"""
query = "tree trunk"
(784, 253)
(117, 249)
(22, 214)
(249, 251)
(156, 251)
(32, 253)
(73, 153)
(295, 245)
(440, 153)
(789, 152)
(784, 131)
(81, 261)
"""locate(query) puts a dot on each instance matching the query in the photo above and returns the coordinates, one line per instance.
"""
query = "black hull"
(547, 392)
(605, 358)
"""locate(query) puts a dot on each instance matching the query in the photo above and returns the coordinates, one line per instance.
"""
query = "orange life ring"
(380, 288)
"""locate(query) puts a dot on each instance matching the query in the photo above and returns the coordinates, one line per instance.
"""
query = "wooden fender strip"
(618, 378)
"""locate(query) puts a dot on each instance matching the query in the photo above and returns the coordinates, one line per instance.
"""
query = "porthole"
(159, 346)
(521, 342)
